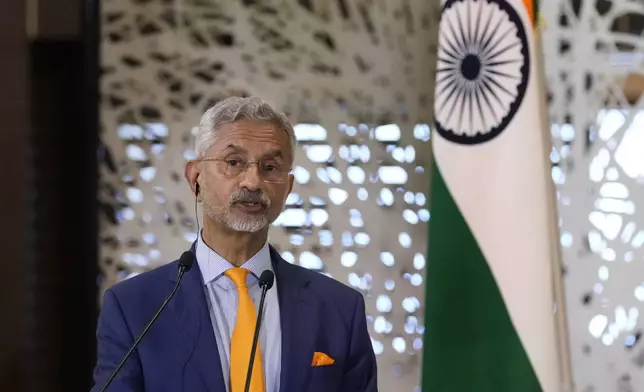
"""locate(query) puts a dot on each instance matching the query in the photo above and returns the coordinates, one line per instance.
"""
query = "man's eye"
(269, 167)
(232, 162)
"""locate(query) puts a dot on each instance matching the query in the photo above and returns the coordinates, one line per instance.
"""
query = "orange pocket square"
(321, 359)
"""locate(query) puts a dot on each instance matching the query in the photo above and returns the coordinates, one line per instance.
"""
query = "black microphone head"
(186, 261)
(266, 279)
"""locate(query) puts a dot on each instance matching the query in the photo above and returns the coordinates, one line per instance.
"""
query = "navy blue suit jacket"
(179, 353)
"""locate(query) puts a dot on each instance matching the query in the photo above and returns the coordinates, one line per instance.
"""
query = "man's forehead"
(253, 131)
(247, 135)
(253, 149)
(266, 150)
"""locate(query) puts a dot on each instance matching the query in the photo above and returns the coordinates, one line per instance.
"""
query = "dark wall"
(55, 21)
(48, 230)
(62, 249)
(13, 181)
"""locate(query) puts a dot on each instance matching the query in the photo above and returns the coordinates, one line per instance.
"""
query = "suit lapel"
(194, 328)
(299, 322)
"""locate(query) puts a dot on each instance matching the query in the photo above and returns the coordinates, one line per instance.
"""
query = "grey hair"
(234, 109)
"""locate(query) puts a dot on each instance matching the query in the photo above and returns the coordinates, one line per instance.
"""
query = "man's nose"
(251, 178)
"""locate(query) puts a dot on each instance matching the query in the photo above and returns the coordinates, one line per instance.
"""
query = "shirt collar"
(213, 266)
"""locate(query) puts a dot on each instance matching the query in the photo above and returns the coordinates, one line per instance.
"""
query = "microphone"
(186, 261)
(266, 280)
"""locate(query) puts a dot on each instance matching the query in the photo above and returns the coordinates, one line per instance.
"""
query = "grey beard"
(250, 224)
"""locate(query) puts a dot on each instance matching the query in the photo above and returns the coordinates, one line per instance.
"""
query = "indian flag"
(489, 304)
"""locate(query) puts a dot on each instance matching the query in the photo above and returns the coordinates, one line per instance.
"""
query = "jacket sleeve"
(361, 373)
(114, 340)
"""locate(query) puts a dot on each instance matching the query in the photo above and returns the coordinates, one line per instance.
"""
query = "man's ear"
(291, 180)
(191, 173)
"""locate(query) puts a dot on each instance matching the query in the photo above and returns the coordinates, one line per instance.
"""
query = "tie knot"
(238, 276)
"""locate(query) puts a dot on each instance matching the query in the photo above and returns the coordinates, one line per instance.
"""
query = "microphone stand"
(265, 288)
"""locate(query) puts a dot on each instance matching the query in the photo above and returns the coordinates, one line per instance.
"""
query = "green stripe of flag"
(470, 344)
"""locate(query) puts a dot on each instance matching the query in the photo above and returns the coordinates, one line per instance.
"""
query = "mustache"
(247, 196)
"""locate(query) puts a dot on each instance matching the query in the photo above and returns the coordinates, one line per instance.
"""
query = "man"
(314, 333)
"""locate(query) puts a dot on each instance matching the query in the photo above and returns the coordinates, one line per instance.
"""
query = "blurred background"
(99, 100)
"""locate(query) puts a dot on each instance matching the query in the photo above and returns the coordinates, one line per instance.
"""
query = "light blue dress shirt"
(222, 298)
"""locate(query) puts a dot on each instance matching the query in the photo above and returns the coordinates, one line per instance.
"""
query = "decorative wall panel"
(598, 166)
(357, 79)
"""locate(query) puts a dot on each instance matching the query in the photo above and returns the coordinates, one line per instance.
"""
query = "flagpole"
(565, 362)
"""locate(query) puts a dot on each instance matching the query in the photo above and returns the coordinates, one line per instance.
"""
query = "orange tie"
(242, 341)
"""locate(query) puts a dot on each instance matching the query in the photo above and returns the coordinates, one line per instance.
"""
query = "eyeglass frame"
(248, 165)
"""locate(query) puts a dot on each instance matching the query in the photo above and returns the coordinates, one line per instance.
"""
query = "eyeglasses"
(269, 172)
